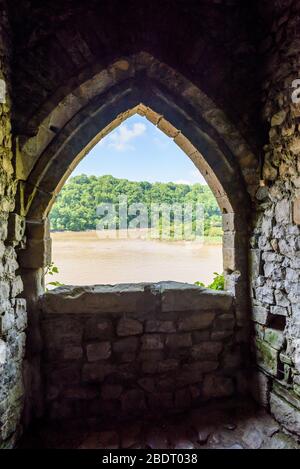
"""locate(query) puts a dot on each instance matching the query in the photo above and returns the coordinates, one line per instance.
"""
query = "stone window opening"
(38, 230)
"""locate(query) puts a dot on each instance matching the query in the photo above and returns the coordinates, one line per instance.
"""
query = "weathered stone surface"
(2, 352)
(275, 338)
(95, 329)
(64, 112)
(296, 211)
(72, 352)
(209, 350)
(127, 327)
(96, 372)
(129, 344)
(123, 366)
(175, 341)
(202, 320)
(267, 357)
(225, 322)
(98, 351)
(260, 314)
(160, 326)
(260, 387)
(285, 413)
(183, 297)
(98, 298)
(152, 342)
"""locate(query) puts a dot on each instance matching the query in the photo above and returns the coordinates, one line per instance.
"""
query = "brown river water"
(84, 259)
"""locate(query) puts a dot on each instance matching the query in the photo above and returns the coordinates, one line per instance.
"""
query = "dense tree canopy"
(75, 208)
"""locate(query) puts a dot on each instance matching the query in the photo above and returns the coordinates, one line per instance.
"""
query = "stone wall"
(129, 349)
(275, 250)
(12, 309)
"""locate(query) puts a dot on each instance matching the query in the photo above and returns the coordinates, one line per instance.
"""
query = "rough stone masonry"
(136, 349)
(48, 64)
(12, 309)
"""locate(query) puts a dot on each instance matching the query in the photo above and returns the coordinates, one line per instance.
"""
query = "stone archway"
(137, 84)
(142, 85)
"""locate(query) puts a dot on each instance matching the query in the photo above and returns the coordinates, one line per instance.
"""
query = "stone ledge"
(138, 297)
(185, 297)
(120, 298)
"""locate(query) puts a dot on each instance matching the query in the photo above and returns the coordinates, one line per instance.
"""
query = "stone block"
(266, 357)
(184, 297)
(16, 228)
(221, 335)
(7, 321)
(126, 357)
(175, 341)
(36, 255)
(283, 211)
(2, 352)
(281, 299)
(279, 310)
(160, 326)
(123, 298)
(224, 322)
(129, 344)
(4, 290)
(98, 351)
(152, 355)
(127, 327)
(200, 336)
(260, 387)
(275, 338)
(98, 329)
(265, 294)
(255, 263)
(72, 352)
(285, 413)
(20, 314)
(201, 320)
(203, 366)
(260, 314)
(207, 350)
(152, 342)
(165, 366)
(62, 330)
(96, 372)
(296, 211)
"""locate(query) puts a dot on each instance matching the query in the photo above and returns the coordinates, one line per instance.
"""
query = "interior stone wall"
(124, 350)
(58, 49)
(12, 309)
(275, 249)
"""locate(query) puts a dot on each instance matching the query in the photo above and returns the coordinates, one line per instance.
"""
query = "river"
(84, 259)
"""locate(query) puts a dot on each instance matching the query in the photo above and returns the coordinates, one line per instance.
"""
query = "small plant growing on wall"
(218, 282)
(52, 269)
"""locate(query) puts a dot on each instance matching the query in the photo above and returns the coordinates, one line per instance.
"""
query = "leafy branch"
(218, 282)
